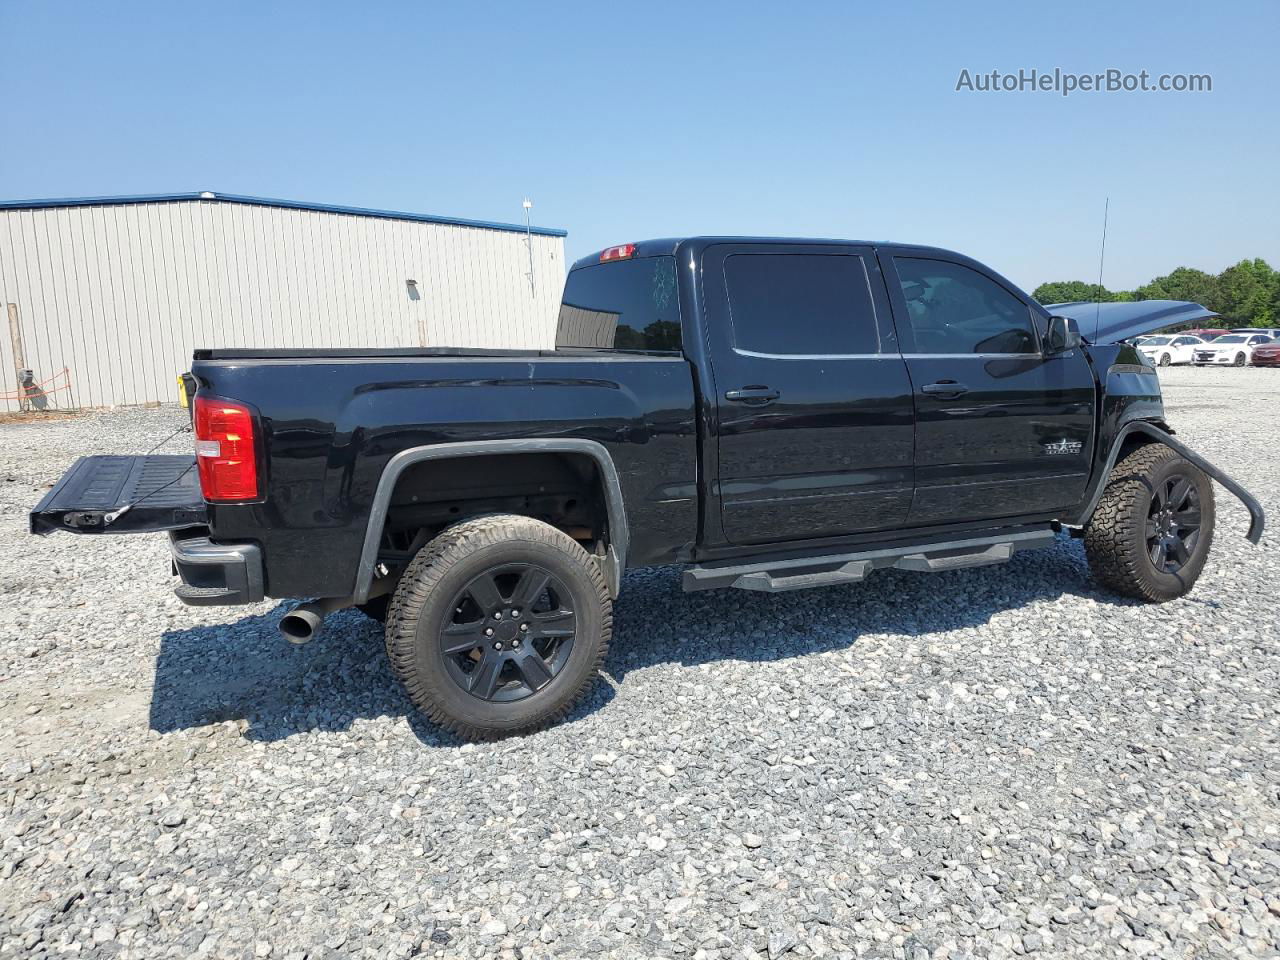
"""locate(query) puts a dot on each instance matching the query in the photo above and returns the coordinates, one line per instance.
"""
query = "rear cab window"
(624, 305)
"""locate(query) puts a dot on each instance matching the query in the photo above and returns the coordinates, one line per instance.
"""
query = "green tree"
(1248, 293)
(1185, 283)
(1070, 291)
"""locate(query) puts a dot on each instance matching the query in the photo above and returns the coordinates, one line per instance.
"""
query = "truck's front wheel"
(1150, 534)
(499, 625)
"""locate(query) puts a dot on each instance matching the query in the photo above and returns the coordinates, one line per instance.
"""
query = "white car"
(1177, 348)
(1233, 349)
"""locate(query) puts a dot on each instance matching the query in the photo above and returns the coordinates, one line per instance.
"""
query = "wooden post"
(19, 358)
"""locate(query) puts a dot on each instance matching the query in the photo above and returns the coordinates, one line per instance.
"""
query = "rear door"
(814, 421)
(1001, 429)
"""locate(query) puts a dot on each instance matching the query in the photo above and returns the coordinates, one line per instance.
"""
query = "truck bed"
(334, 418)
(375, 353)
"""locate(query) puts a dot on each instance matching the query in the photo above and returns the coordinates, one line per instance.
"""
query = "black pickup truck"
(773, 414)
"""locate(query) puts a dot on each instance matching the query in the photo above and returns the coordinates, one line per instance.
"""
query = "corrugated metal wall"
(122, 293)
(587, 328)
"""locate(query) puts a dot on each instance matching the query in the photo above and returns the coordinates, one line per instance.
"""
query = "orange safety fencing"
(35, 391)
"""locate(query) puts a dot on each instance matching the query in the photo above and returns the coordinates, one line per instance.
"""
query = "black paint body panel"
(851, 454)
(331, 425)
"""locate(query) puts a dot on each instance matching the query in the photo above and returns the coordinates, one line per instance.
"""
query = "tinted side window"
(623, 305)
(954, 309)
(790, 303)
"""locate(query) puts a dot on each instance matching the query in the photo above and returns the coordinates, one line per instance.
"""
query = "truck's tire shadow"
(244, 672)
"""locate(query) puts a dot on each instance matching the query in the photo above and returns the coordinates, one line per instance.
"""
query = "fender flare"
(1257, 517)
(613, 563)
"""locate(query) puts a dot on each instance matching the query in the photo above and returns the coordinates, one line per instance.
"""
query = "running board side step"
(776, 576)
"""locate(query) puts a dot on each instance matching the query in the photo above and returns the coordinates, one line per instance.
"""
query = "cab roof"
(669, 246)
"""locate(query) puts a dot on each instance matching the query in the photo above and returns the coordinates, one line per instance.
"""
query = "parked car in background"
(1267, 354)
(1272, 332)
(1207, 333)
(1165, 350)
(1234, 349)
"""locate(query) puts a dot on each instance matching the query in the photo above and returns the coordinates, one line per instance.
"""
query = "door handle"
(752, 394)
(945, 388)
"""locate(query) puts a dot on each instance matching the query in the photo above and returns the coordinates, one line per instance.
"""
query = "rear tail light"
(621, 252)
(226, 450)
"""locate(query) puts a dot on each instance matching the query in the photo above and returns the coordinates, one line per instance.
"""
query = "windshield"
(1230, 339)
(1156, 341)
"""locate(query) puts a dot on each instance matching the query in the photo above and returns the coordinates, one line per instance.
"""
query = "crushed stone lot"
(986, 763)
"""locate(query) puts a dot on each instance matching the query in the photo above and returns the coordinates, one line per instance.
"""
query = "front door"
(1001, 429)
(814, 408)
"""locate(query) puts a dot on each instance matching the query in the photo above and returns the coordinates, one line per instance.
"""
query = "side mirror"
(1062, 335)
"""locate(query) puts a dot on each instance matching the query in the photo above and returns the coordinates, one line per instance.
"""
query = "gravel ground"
(971, 764)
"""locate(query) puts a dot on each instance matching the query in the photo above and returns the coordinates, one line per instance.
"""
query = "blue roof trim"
(271, 202)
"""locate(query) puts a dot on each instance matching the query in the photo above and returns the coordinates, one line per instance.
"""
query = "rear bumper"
(216, 574)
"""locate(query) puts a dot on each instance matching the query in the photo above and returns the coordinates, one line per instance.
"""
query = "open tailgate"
(123, 495)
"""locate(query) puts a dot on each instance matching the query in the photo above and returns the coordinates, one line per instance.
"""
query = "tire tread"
(427, 568)
(1114, 543)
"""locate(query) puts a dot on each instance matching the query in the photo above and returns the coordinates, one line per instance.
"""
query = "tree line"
(1247, 294)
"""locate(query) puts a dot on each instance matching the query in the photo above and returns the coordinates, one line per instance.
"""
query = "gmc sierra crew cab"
(771, 413)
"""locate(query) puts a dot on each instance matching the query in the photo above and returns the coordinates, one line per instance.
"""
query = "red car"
(1267, 354)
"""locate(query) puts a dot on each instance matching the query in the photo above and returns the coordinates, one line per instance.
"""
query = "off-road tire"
(1115, 538)
(423, 600)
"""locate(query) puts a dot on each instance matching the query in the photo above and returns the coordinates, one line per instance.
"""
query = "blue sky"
(631, 120)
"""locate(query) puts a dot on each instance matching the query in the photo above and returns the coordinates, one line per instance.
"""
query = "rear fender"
(613, 563)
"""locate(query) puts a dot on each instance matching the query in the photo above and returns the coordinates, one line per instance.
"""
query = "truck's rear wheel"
(499, 625)
(1150, 535)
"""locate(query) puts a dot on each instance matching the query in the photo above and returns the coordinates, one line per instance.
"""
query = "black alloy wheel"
(511, 632)
(1173, 523)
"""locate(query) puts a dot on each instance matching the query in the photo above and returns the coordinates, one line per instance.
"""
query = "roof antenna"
(1097, 294)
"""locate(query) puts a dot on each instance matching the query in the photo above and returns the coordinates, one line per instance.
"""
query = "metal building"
(107, 297)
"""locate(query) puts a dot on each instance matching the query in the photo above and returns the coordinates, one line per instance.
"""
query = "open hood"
(1122, 321)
